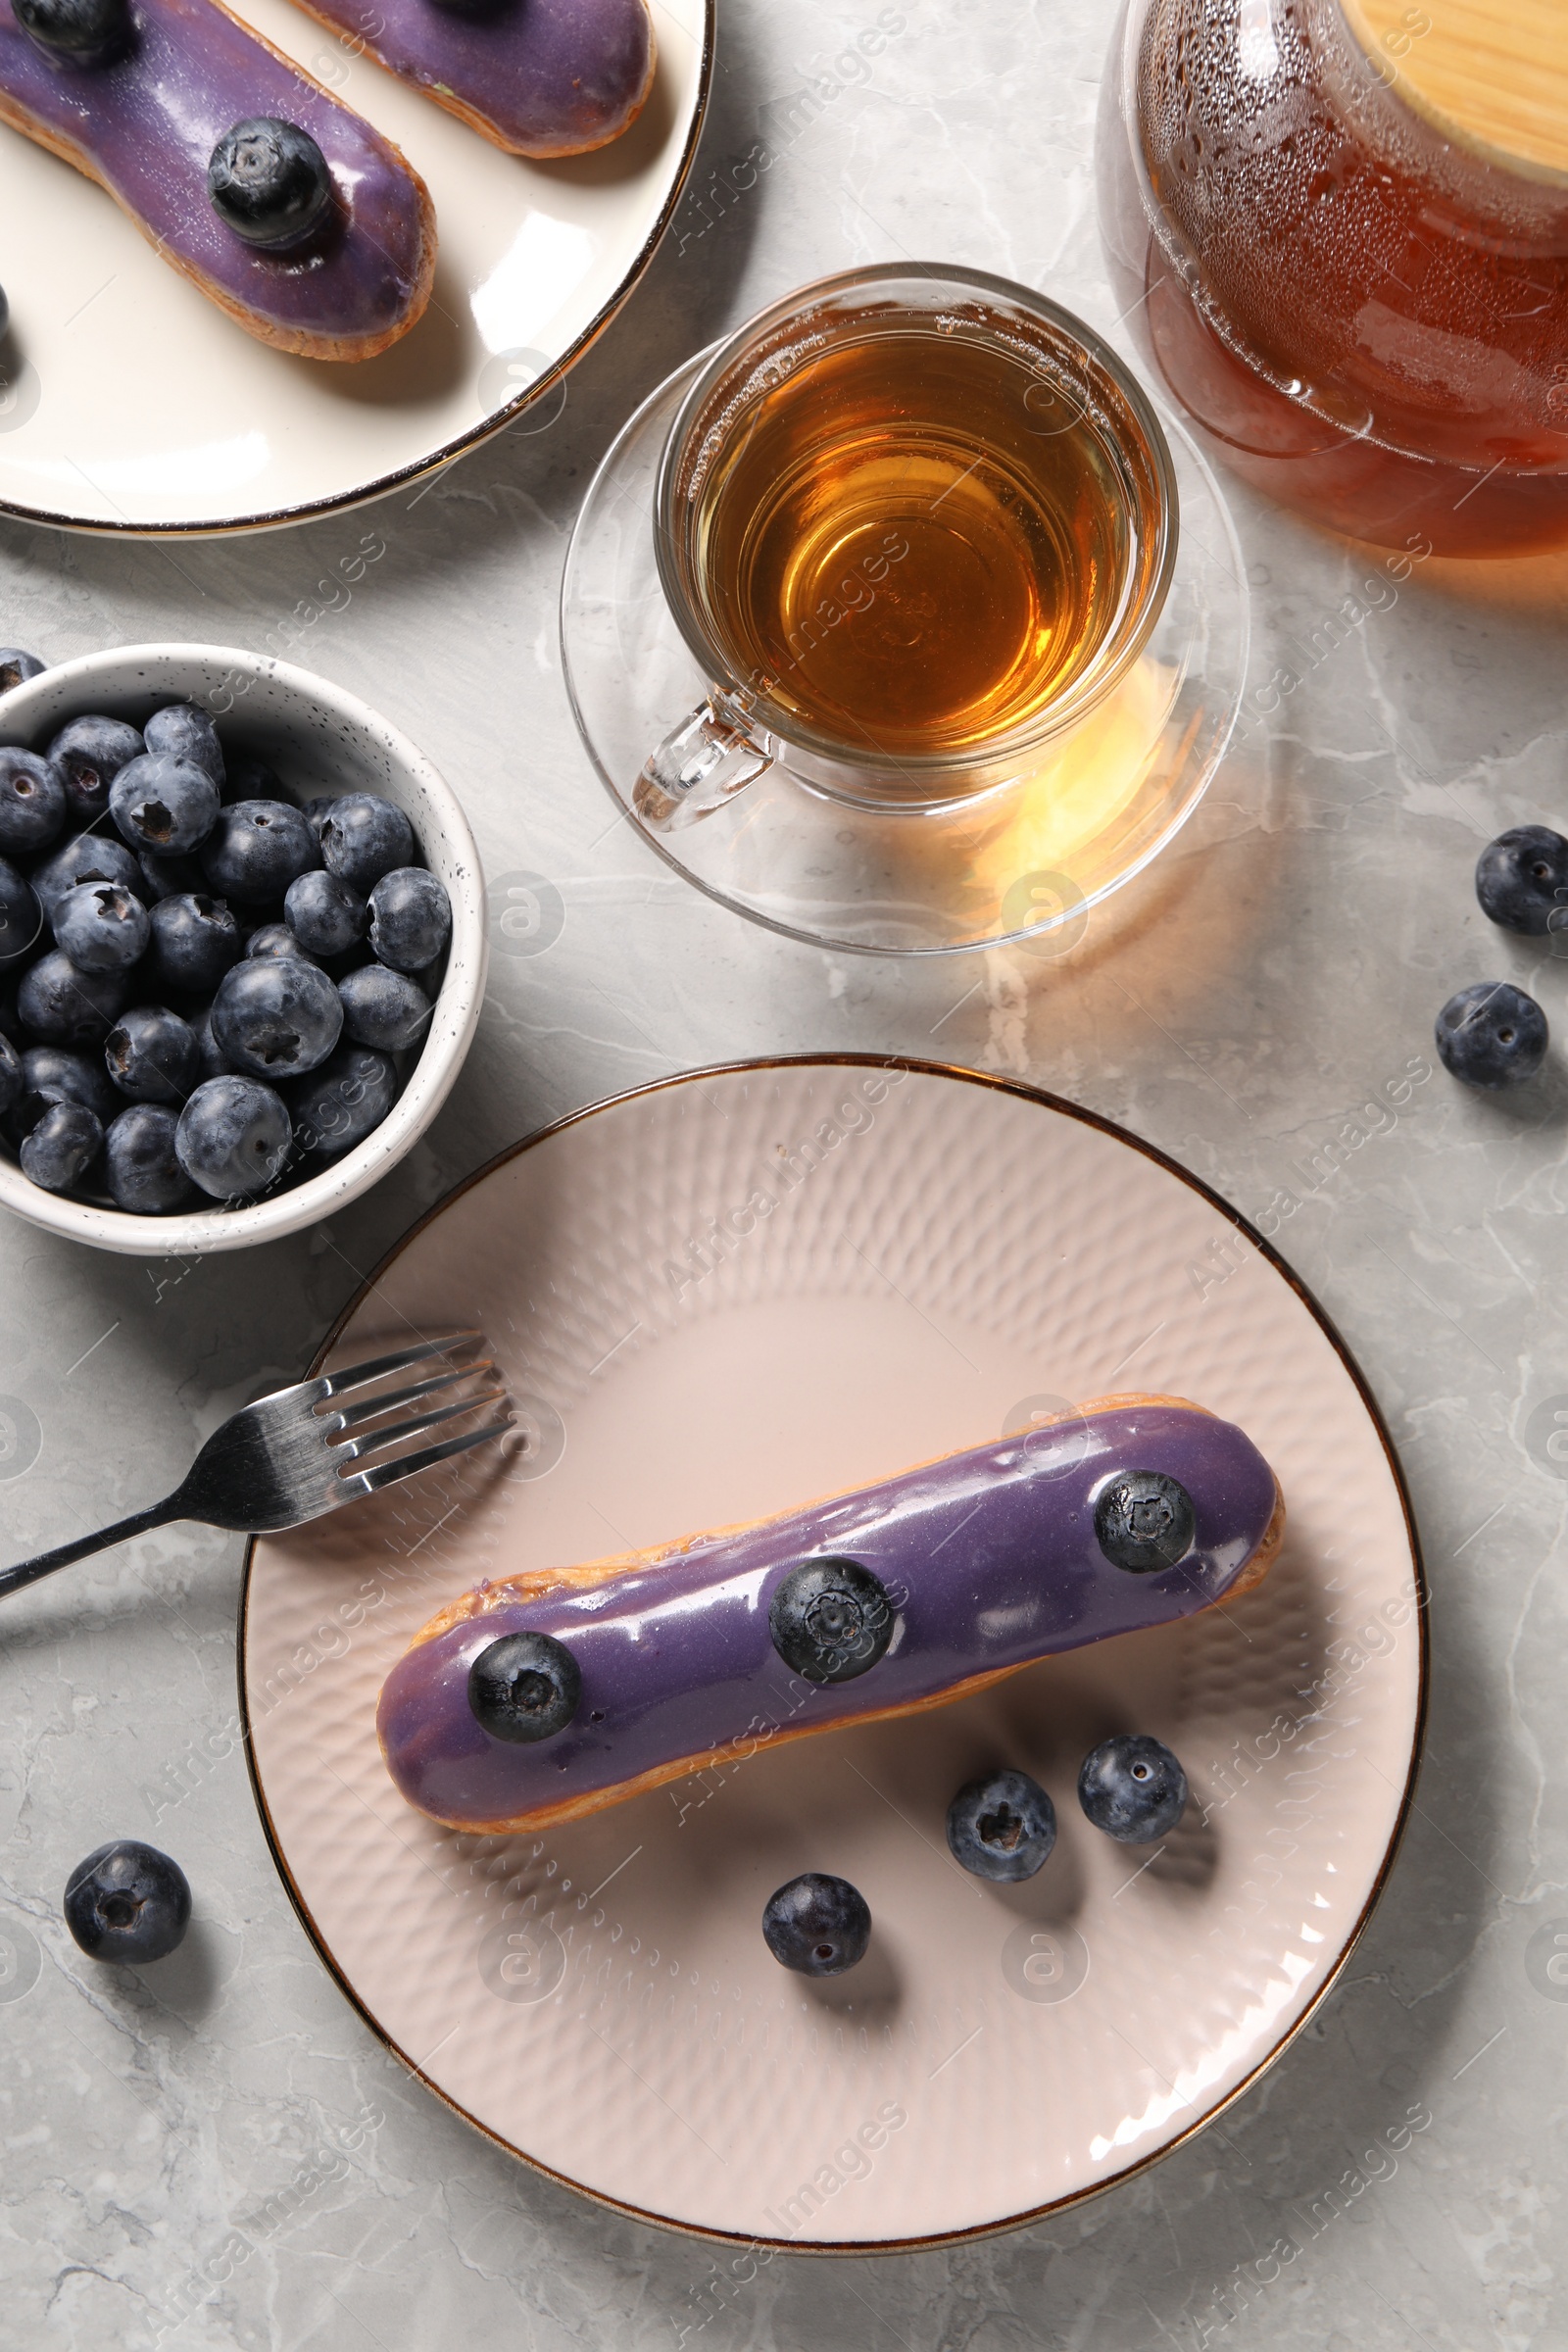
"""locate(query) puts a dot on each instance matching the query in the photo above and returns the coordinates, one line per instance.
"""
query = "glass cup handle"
(699, 765)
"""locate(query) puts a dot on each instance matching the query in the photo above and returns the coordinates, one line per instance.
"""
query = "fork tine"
(377, 1437)
(386, 1474)
(350, 1415)
(355, 1376)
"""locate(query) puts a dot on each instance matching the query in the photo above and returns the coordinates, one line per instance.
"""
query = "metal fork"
(281, 1462)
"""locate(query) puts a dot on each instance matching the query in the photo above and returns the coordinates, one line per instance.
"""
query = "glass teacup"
(914, 525)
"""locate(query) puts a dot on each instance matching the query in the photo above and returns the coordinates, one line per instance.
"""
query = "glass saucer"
(1022, 859)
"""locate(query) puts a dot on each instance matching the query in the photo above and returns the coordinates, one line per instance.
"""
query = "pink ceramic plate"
(713, 1299)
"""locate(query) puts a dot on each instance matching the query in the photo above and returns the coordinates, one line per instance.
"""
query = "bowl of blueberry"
(241, 948)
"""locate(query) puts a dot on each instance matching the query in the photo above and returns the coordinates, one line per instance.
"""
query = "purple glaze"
(538, 76)
(145, 124)
(990, 1555)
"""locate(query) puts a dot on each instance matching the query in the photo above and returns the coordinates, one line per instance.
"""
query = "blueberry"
(317, 811)
(830, 1620)
(195, 942)
(818, 1924)
(11, 1080)
(383, 1009)
(152, 1054)
(89, 858)
(338, 1104)
(1132, 1788)
(32, 803)
(61, 1147)
(233, 1136)
(20, 916)
(101, 927)
(276, 1017)
(524, 1687)
(182, 731)
(272, 940)
(364, 837)
(16, 667)
(141, 1163)
(86, 756)
(410, 918)
(256, 850)
(53, 1074)
(1144, 1521)
(127, 1901)
(61, 1006)
(210, 1059)
(80, 31)
(1002, 1825)
(1522, 880)
(162, 804)
(251, 779)
(326, 916)
(1491, 1035)
(269, 180)
(168, 877)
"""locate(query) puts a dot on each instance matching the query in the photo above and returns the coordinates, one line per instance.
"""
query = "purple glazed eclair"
(539, 78)
(556, 1692)
(143, 112)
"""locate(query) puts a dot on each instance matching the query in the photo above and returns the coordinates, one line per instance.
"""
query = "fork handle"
(27, 1572)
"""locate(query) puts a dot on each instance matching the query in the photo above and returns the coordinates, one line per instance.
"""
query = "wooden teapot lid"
(1491, 75)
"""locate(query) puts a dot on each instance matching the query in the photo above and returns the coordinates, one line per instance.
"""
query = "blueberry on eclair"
(269, 180)
(83, 31)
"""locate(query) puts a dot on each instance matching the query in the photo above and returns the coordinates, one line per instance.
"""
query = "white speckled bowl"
(318, 736)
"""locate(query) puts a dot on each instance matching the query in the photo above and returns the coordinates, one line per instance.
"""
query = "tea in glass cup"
(913, 526)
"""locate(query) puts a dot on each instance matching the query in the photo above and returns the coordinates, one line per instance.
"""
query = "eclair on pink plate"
(555, 1691)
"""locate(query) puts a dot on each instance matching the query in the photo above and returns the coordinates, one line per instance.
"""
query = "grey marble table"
(1270, 979)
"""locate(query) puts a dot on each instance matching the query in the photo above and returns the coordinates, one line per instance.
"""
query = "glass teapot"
(1340, 231)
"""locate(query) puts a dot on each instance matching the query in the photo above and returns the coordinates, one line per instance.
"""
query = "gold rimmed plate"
(129, 403)
(714, 1298)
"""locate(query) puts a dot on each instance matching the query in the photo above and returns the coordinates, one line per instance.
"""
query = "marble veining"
(218, 2153)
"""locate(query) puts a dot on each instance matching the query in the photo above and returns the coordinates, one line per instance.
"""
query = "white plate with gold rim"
(129, 402)
(714, 1298)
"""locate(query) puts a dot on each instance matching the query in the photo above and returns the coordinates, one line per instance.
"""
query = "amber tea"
(922, 536)
(1364, 206)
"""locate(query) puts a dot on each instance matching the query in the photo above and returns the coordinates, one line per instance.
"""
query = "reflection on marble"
(217, 2152)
